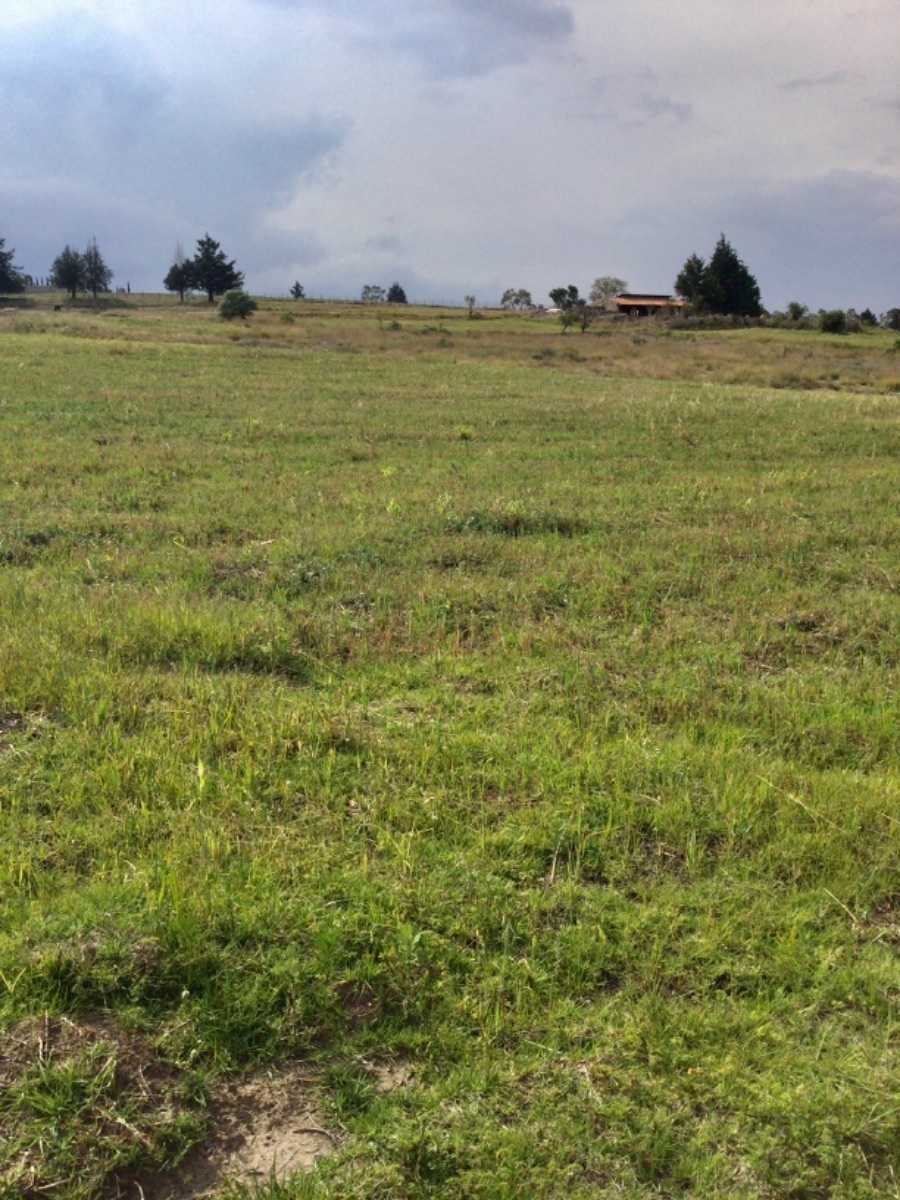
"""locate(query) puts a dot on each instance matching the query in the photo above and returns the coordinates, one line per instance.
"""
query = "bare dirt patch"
(125, 1112)
(263, 1127)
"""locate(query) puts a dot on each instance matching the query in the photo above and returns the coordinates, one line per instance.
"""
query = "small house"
(642, 304)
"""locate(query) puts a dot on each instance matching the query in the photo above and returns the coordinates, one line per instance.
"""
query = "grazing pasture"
(493, 730)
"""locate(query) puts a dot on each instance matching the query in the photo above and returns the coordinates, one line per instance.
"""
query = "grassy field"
(385, 687)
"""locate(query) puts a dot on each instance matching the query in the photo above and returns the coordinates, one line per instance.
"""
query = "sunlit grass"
(532, 695)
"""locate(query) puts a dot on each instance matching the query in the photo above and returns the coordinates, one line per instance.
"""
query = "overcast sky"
(459, 146)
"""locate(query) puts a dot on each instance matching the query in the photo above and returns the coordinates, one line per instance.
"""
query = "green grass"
(524, 706)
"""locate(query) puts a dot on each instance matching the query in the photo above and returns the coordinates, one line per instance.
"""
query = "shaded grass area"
(536, 727)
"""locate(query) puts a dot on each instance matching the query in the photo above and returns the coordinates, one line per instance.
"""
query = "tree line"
(722, 285)
(73, 270)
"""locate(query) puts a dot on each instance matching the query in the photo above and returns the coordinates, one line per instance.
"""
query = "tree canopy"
(722, 285)
(68, 271)
(607, 285)
(396, 294)
(516, 298)
(566, 298)
(180, 278)
(11, 279)
(211, 272)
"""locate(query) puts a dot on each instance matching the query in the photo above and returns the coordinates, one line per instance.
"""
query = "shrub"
(236, 304)
(834, 321)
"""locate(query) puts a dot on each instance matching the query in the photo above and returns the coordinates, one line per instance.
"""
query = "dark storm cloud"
(103, 145)
(450, 37)
(73, 94)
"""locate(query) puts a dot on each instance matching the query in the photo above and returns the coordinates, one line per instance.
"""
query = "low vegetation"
(516, 710)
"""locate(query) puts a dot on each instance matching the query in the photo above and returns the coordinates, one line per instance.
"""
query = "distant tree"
(566, 298)
(97, 275)
(372, 294)
(796, 311)
(297, 292)
(180, 277)
(891, 319)
(691, 281)
(733, 289)
(516, 299)
(236, 303)
(68, 271)
(11, 279)
(212, 272)
(867, 317)
(470, 304)
(607, 285)
(723, 285)
(396, 294)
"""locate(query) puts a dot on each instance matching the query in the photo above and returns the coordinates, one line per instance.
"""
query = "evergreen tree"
(212, 272)
(10, 278)
(691, 281)
(97, 275)
(732, 289)
(179, 279)
(396, 294)
(723, 285)
(68, 271)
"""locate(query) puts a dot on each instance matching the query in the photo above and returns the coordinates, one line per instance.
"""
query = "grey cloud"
(450, 37)
(72, 90)
(815, 81)
(658, 107)
(103, 145)
(830, 242)
(385, 243)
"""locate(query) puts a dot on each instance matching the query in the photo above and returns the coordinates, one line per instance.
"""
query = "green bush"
(834, 321)
(236, 304)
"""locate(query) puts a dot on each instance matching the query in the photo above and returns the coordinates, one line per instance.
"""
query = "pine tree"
(10, 278)
(691, 281)
(97, 275)
(723, 285)
(211, 270)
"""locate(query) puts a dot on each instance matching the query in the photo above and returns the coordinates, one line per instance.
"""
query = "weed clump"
(84, 1103)
(517, 521)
